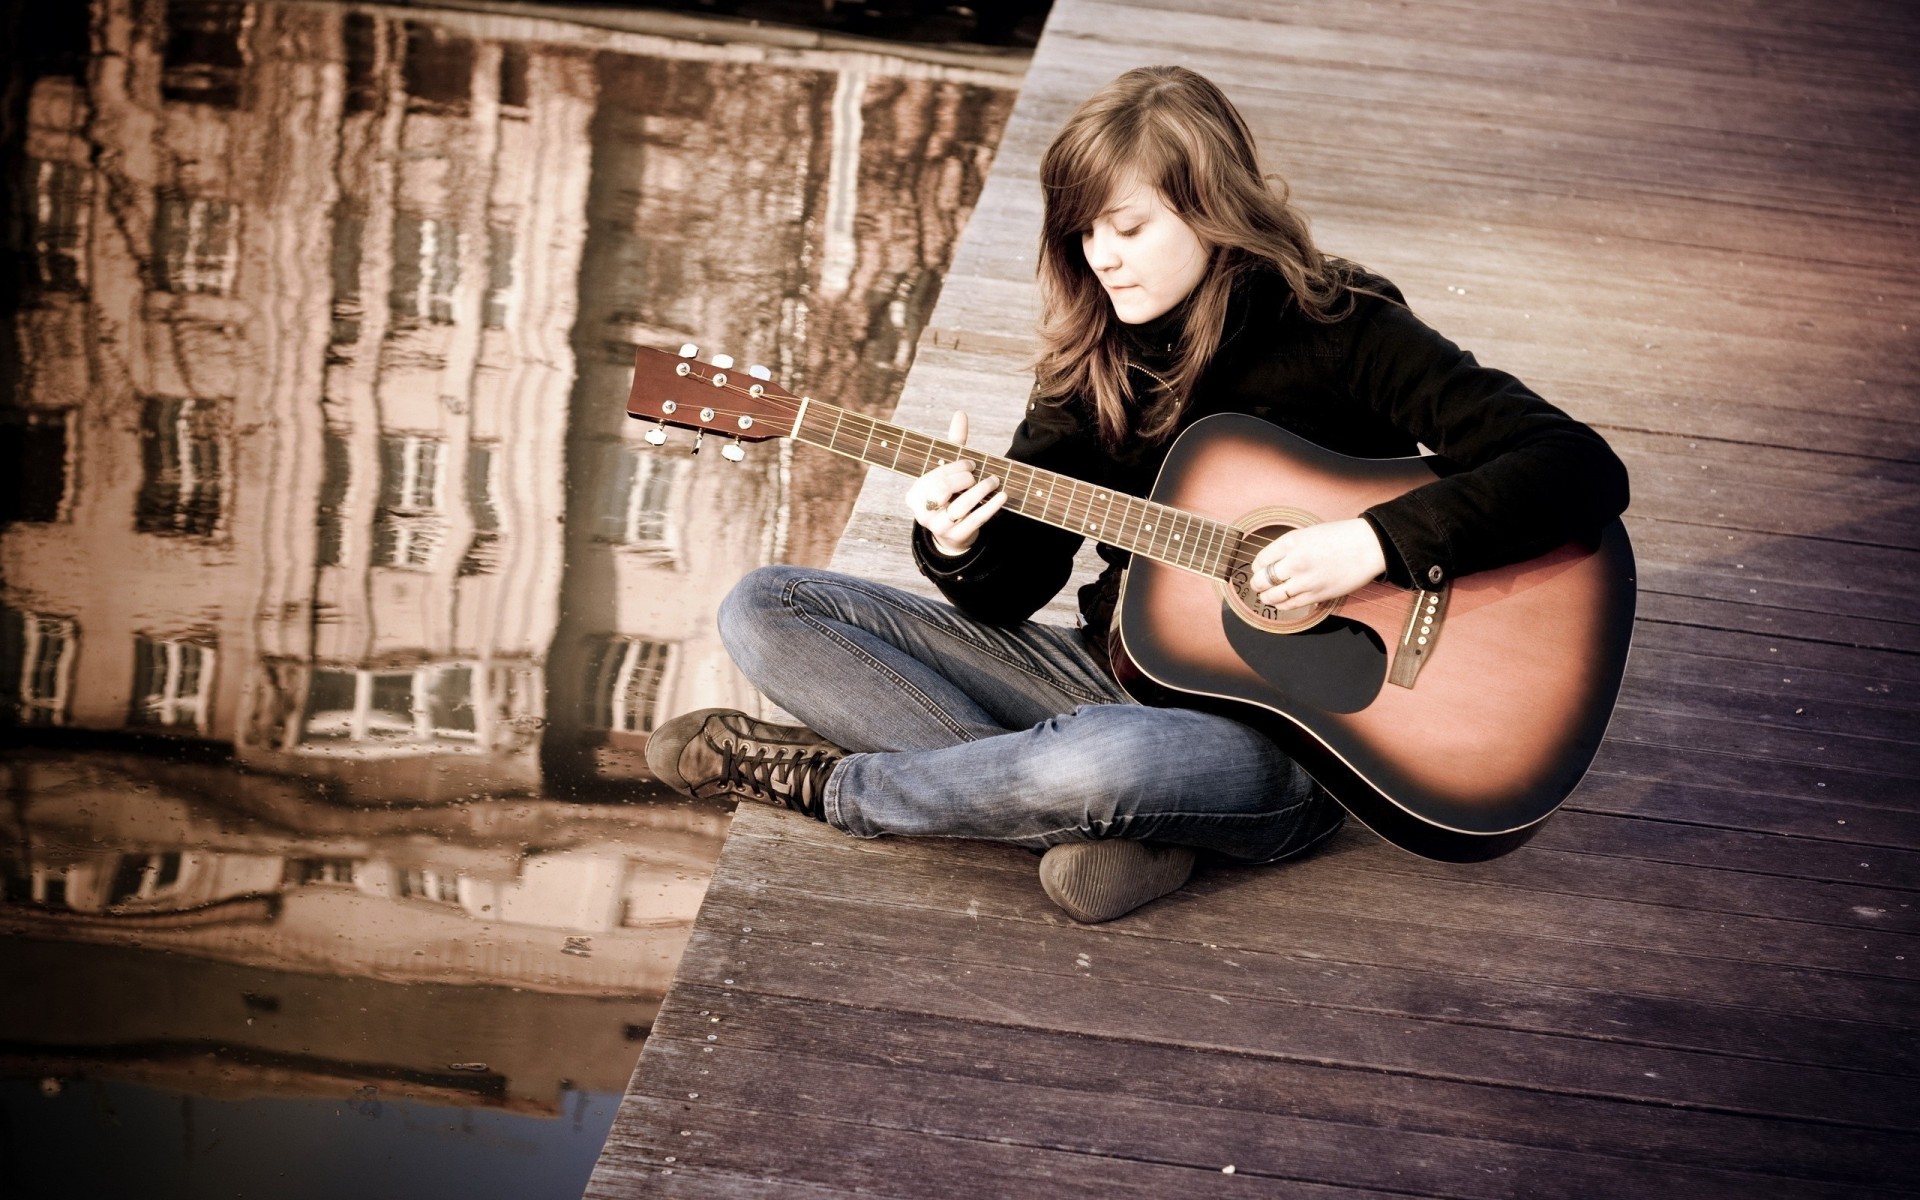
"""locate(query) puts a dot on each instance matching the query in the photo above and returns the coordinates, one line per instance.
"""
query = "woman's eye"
(1127, 233)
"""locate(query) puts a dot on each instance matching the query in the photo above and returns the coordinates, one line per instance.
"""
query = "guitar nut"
(669, 406)
(682, 369)
(746, 422)
(719, 379)
(706, 414)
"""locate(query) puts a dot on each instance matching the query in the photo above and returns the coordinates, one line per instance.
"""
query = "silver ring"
(932, 505)
(1286, 592)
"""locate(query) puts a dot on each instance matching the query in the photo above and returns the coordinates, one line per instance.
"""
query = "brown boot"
(725, 752)
(1098, 881)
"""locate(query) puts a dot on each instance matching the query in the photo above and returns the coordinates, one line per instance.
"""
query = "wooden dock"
(1691, 224)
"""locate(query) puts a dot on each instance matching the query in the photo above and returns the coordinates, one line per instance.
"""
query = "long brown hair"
(1173, 129)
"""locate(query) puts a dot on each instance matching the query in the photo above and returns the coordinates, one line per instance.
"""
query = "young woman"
(1177, 282)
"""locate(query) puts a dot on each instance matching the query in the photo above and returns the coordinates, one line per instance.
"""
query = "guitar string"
(1216, 551)
(1213, 554)
(1228, 551)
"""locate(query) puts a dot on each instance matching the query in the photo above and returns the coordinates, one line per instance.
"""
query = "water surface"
(338, 597)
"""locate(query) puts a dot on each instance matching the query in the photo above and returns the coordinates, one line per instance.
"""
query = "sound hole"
(1242, 577)
(1243, 598)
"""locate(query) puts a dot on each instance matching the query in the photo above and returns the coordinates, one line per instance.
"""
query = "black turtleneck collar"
(1152, 343)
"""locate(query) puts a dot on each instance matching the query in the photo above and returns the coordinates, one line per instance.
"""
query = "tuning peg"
(657, 436)
(699, 435)
(689, 350)
(759, 372)
(732, 451)
(723, 361)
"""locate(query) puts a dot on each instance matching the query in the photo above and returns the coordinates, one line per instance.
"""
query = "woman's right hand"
(950, 504)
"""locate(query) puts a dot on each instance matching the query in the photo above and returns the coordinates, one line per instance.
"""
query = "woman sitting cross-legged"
(1176, 282)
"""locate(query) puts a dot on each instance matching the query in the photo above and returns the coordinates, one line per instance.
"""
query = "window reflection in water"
(337, 598)
(183, 469)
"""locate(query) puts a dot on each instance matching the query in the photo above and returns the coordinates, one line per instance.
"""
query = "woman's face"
(1146, 257)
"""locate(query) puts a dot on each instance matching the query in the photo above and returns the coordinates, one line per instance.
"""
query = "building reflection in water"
(338, 597)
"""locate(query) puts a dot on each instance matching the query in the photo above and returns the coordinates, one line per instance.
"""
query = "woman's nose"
(1100, 252)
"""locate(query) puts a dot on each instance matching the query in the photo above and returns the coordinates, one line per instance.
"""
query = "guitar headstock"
(709, 397)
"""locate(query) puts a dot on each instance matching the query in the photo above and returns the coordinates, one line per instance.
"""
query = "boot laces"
(789, 775)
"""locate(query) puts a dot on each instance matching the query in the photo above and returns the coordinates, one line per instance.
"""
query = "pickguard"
(1337, 666)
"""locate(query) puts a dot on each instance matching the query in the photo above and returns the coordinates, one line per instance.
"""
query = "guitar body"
(1516, 681)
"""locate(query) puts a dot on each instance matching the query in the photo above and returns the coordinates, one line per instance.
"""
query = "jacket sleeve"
(1520, 476)
(1016, 564)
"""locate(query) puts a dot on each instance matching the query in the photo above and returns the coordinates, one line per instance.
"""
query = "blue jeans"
(1012, 734)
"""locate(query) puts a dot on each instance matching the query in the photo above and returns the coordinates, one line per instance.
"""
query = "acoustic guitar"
(1452, 720)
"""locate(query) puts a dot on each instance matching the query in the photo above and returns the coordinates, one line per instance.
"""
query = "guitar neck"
(1168, 535)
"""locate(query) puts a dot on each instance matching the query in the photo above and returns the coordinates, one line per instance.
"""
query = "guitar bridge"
(1421, 634)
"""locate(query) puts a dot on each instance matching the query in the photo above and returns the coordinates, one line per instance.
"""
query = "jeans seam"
(830, 798)
(959, 632)
(1202, 817)
(1197, 816)
(906, 686)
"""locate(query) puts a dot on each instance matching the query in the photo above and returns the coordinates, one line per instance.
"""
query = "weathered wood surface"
(1690, 224)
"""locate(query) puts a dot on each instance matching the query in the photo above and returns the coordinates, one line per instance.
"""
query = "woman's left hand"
(1318, 562)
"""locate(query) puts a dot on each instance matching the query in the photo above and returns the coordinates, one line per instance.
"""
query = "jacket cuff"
(941, 568)
(1417, 552)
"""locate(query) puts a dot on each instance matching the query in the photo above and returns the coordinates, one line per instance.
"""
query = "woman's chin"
(1130, 310)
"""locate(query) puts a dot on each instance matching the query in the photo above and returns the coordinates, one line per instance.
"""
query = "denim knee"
(749, 614)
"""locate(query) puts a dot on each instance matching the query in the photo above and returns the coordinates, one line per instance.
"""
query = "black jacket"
(1520, 477)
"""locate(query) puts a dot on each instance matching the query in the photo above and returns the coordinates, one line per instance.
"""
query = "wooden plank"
(1193, 995)
(1889, 678)
(1718, 38)
(1700, 1049)
(774, 1036)
(1314, 912)
(1842, 720)
(1710, 683)
(1783, 623)
(1892, 761)
(1504, 74)
(1632, 752)
(1759, 489)
(1725, 804)
(1591, 831)
(1086, 1118)
(809, 1149)
(1613, 922)
(1697, 889)
(1817, 574)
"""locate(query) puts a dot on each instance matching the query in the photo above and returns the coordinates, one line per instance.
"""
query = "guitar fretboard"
(1168, 535)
